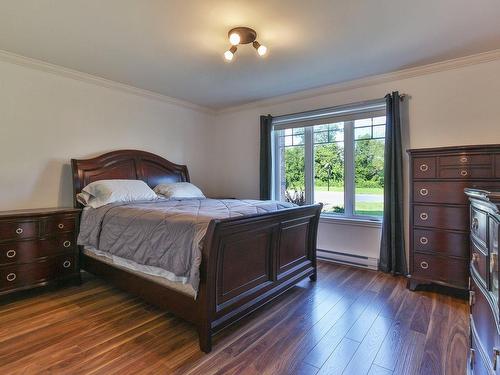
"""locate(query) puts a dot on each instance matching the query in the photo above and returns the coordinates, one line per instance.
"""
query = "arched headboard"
(126, 164)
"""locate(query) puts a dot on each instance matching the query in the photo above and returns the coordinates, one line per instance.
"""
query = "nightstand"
(38, 248)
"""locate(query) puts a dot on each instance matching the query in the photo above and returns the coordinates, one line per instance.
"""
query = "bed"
(246, 261)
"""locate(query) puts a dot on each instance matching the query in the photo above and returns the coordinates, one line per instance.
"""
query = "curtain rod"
(339, 107)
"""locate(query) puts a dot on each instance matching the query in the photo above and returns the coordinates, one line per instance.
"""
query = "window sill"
(330, 219)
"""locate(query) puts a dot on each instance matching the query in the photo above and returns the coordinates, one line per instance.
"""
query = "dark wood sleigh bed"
(246, 261)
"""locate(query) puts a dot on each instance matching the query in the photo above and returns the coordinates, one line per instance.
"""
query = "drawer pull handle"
(67, 243)
(67, 264)
(496, 353)
(475, 224)
(424, 216)
(472, 298)
(19, 231)
(11, 277)
(424, 167)
(472, 358)
(475, 257)
(463, 173)
(424, 265)
(11, 253)
(464, 159)
(424, 240)
(60, 226)
(424, 192)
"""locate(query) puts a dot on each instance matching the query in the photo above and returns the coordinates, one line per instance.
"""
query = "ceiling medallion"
(243, 35)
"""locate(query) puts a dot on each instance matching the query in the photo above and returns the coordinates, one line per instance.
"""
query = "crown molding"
(96, 80)
(370, 81)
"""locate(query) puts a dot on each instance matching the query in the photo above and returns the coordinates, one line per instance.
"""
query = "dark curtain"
(392, 247)
(266, 166)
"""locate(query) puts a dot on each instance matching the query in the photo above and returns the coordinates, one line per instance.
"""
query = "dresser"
(483, 295)
(439, 218)
(37, 248)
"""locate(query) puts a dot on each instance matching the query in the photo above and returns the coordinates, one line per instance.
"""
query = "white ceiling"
(175, 47)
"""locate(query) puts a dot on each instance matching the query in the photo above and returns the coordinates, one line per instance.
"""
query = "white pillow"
(179, 190)
(100, 193)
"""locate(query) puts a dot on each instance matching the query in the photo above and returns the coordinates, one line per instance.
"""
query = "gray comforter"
(166, 233)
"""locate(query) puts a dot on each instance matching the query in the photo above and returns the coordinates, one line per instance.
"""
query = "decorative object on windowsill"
(298, 197)
(243, 35)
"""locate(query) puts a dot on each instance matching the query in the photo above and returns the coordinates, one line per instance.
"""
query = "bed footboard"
(250, 260)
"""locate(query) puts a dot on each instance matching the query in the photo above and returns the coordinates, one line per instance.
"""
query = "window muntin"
(343, 165)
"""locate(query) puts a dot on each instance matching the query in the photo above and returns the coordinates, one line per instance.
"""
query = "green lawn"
(376, 191)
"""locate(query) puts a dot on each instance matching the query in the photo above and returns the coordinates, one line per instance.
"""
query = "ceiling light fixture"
(243, 35)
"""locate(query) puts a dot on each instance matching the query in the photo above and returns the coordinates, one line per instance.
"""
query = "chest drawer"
(441, 242)
(455, 218)
(466, 159)
(424, 167)
(60, 224)
(466, 172)
(11, 230)
(17, 276)
(438, 268)
(451, 192)
(29, 251)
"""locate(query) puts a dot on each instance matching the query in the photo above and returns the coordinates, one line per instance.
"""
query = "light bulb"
(234, 39)
(229, 54)
(262, 50)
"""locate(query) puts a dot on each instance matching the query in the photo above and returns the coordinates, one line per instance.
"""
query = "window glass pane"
(288, 131)
(291, 168)
(379, 131)
(369, 177)
(379, 120)
(362, 133)
(321, 137)
(363, 122)
(329, 172)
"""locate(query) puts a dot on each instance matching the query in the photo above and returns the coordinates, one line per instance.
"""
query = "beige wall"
(454, 107)
(46, 119)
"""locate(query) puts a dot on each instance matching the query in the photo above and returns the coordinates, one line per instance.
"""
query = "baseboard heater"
(348, 259)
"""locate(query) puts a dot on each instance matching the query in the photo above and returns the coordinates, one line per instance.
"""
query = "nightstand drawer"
(60, 225)
(17, 276)
(30, 251)
(12, 230)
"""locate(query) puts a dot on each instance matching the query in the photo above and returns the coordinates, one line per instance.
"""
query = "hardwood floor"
(350, 321)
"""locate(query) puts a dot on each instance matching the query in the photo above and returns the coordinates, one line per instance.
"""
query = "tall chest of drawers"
(439, 218)
(484, 356)
(37, 248)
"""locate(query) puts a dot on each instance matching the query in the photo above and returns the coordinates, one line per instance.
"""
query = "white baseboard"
(348, 259)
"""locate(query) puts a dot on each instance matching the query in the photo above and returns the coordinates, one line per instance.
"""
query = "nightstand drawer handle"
(60, 226)
(424, 240)
(424, 216)
(475, 224)
(463, 173)
(464, 159)
(11, 253)
(424, 167)
(19, 231)
(496, 353)
(11, 277)
(67, 264)
(424, 192)
(67, 243)
(424, 265)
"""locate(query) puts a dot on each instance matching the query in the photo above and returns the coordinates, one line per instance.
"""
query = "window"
(333, 156)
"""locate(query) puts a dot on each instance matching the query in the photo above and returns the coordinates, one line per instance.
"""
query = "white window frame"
(308, 120)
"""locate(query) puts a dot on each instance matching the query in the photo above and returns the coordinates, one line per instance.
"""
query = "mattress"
(154, 274)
